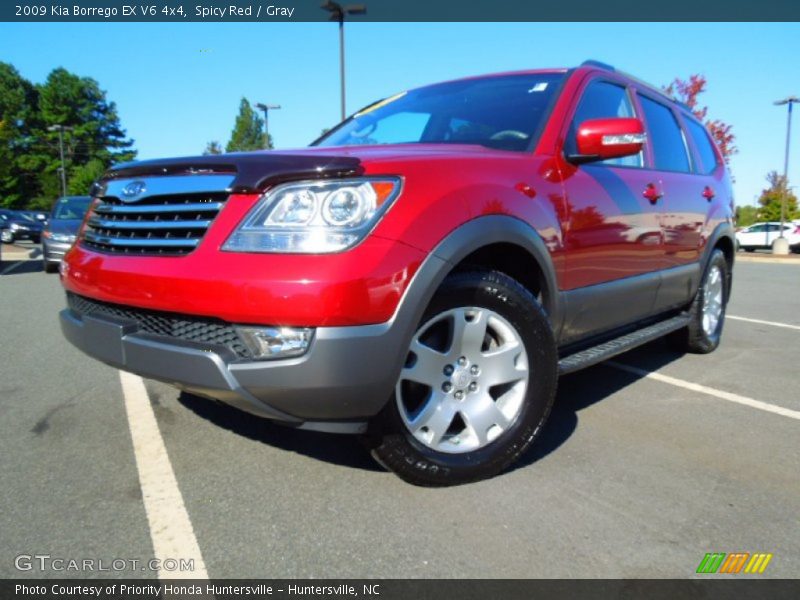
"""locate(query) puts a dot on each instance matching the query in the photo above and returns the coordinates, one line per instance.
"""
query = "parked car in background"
(17, 225)
(39, 215)
(763, 235)
(62, 228)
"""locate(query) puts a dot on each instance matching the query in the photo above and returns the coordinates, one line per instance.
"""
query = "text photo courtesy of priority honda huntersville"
(424, 272)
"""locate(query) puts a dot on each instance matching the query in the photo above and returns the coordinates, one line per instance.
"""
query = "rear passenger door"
(683, 206)
(688, 190)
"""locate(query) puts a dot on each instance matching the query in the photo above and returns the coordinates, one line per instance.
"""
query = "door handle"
(651, 193)
(708, 193)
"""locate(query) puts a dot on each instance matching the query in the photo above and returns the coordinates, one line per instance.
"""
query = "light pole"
(338, 13)
(61, 129)
(782, 246)
(266, 108)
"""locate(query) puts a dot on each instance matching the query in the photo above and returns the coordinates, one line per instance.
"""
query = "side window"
(603, 100)
(757, 229)
(665, 137)
(699, 135)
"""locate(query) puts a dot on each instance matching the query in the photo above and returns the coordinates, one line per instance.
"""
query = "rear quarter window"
(704, 145)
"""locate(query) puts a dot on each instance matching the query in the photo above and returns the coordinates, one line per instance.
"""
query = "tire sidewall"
(700, 340)
(515, 304)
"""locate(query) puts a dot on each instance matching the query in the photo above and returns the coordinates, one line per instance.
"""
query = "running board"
(597, 354)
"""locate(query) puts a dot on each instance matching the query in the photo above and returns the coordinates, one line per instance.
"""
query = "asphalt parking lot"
(646, 465)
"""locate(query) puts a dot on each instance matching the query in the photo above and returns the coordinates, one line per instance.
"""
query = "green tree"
(212, 147)
(248, 130)
(29, 152)
(770, 200)
(18, 100)
(94, 134)
(746, 215)
(82, 177)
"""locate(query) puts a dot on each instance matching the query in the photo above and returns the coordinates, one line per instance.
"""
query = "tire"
(490, 414)
(7, 237)
(707, 311)
(749, 249)
(49, 267)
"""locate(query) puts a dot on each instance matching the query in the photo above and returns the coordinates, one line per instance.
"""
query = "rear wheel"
(49, 267)
(477, 385)
(707, 311)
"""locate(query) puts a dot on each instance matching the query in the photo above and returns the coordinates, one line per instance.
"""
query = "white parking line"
(170, 526)
(760, 322)
(696, 387)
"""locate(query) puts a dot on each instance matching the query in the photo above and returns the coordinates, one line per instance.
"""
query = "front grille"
(157, 225)
(183, 327)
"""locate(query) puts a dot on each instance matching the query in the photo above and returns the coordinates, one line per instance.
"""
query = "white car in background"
(762, 235)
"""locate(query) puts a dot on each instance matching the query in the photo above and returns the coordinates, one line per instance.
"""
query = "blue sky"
(178, 85)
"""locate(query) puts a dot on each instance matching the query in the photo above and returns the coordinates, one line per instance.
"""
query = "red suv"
(425, 271)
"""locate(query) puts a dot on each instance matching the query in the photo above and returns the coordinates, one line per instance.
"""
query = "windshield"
(74, 207)
(502, 112)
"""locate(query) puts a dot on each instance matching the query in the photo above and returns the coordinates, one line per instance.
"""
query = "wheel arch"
(499, 242)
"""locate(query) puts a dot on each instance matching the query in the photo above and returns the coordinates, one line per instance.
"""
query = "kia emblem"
(133, 189)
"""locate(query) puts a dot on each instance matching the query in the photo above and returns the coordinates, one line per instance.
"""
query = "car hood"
(68, 226)
(256, 170)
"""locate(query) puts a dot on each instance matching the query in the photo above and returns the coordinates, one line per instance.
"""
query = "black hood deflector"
(254, 170)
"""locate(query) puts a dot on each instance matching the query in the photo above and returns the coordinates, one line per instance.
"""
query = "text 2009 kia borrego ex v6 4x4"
(425, 271)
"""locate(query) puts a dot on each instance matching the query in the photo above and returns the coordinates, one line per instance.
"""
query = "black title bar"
(217, 11)
(396, 589)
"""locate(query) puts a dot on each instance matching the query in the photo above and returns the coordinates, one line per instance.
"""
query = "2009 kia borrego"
(424, 272)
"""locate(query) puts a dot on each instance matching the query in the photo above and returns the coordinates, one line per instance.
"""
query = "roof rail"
(598, 64)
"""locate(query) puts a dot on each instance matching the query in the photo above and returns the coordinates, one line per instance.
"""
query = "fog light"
(275, 342)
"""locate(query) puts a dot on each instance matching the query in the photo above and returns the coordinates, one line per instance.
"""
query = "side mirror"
(600, 139)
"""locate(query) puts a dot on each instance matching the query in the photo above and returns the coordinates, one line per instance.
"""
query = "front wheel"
(477, 386)
(7, 237)
(707, 312)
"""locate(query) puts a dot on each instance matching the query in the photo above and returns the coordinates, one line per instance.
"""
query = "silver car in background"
(62, 229)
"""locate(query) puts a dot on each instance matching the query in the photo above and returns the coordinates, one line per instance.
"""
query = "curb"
(769, 259)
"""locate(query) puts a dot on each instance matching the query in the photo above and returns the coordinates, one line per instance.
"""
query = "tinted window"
(502, 112)
(699, 135)
(71, 207)
(666, 138)
(756, 229)
(603, 100)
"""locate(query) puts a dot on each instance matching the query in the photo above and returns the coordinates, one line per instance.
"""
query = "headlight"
(314, 217)
(64, 238)
(16, 226)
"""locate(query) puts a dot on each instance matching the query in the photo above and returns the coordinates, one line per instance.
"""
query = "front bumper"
(26, 234)
(345, 378)
(54, 251)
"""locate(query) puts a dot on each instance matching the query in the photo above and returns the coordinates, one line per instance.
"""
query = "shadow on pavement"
(576, 392)
(585, 388)
(20, 267)
(345, 450)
